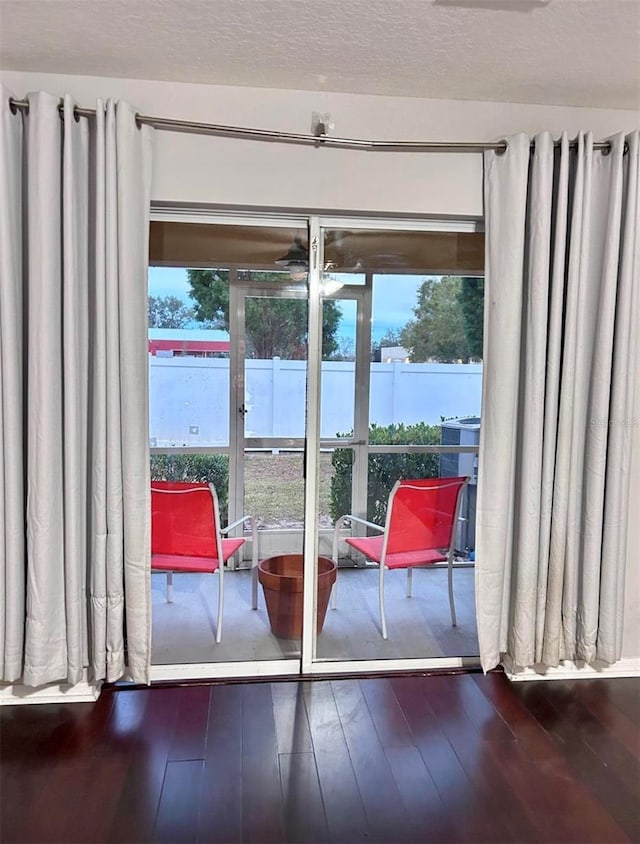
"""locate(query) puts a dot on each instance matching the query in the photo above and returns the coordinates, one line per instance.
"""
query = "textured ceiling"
(564, 52)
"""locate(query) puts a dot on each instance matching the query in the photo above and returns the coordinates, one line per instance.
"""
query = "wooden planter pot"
(281, 579)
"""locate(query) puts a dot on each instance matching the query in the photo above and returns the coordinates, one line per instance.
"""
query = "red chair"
(186, 535)
(419, 531)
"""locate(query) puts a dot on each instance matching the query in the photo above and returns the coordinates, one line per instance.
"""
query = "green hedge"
(384, 469)
(200, 468)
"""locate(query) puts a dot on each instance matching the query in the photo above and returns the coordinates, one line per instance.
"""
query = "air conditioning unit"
(462, 432)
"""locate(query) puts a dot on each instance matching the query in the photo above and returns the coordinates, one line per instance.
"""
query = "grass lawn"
(274, 488)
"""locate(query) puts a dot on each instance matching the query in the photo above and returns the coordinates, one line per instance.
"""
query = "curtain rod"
(193, 128)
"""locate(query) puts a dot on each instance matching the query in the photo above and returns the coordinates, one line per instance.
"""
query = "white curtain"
(561, 325)
(74, 458)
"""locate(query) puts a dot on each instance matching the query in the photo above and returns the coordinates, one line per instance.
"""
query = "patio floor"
(183, 631)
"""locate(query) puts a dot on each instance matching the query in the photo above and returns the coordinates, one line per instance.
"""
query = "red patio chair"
(419, 531)
(186, 535)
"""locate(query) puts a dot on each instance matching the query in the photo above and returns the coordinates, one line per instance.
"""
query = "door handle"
(242, 410)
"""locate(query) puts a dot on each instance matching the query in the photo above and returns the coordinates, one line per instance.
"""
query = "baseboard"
(13, 694)
(568, 670)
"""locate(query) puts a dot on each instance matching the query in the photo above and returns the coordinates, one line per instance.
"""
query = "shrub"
(384, 469)
(197, 468)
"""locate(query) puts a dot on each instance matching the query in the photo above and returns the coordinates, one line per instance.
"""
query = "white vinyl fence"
(189, 397)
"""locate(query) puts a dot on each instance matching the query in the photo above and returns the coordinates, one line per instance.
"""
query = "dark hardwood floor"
(444, 758)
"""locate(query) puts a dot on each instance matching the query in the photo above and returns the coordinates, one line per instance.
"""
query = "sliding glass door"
(303, 366)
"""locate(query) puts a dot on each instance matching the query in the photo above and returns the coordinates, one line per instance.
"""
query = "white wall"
(246, 173)
(191, 168)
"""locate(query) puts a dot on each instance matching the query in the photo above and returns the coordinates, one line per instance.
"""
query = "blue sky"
(393, 300)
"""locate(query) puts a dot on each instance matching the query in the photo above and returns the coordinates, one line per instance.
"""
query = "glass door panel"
(415, 386)
(227, 365)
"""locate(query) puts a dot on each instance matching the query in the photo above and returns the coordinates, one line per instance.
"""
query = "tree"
(274, 327)
(471, 298)
(331, 316)
(346, 349)
(169, 312)
(438, 331)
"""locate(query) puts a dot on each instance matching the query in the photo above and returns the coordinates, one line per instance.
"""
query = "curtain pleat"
(531, 410)
(558, 223)
(115, 516)
(75, 347)
(84, 444)
(624, 375)
(505, 211)
(12, 407)
(45, 657)
(560, 327)
(97, 488)
(134, 180)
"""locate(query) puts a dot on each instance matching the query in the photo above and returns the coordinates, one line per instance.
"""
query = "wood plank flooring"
(441, 758)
